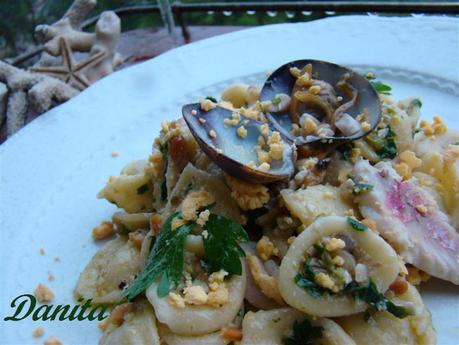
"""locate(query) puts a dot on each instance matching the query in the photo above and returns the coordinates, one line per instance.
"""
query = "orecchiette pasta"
(115, 265)
(388, 329)
(307, 204)
(175, 339)
(195, 179)
(131, 190)
(273, 326)
(138, 328)
(199, 319)
(204, 258)
(378, 256)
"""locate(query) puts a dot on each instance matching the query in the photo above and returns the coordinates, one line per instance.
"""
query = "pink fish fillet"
(410, 219)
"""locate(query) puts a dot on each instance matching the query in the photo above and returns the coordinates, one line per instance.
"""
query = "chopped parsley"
(384, 147)
(166, 260)
(142, 189)
(416, 102)
(221, 246)
(164, 149)
(380, 87)
(305, 280)
(356, 225)
(304, 333)
(345, 151)
(213, 99)
(276, 100)
(369, 293)
(360, 187)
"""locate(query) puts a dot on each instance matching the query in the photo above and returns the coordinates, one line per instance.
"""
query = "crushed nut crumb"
(102, 231)
(38, 332)
(52, 341)
(195, 295)
(242, 132)
(43, 294)
(176, 300)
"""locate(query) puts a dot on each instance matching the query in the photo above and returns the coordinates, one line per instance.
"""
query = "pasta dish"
(294, 213)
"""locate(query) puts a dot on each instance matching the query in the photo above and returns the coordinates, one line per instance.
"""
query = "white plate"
(52, 169)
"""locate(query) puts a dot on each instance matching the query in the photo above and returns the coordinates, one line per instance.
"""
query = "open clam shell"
(356, 88)
(234, 154)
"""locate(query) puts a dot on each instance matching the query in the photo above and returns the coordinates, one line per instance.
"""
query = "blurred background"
(18, 18)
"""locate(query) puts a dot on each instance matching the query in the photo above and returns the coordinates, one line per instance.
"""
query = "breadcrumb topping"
(52, 341)
(266, 248)
(43, 294)
(248, 196)
(207, 104)
(38, 332)
(102, 231)
(195, 201)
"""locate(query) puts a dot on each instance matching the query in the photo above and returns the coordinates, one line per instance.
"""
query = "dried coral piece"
(71, 72)
(28, 89)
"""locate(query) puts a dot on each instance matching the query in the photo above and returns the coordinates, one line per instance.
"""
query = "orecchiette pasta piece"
(171, 338)
(270, 327)
(307, 204)
(378, 256)
(200, 180)
(389, 330)
(138, 328)
(116, 263)
(131, 190)
(199, 319)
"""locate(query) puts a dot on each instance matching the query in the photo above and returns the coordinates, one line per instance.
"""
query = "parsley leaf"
(378, 86)
(221, 245)
(304, 333)
(384, 147)
(166, 260)
(416, 102)
(142, 189)
(369, 293)
(356, 225)
(213, 99)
